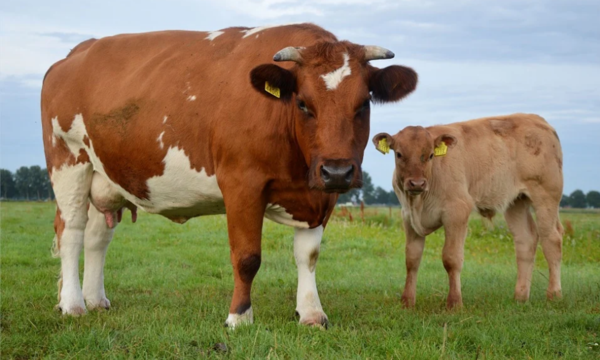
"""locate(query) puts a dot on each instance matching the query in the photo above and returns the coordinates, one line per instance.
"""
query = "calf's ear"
(273, 81)
(391, 83)
(449, 140)
(383, 142)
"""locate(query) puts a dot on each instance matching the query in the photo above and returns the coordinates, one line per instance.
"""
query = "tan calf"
(497, 164)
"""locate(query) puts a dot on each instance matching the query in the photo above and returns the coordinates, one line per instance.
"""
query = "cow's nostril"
(350, 173)
(325, 175)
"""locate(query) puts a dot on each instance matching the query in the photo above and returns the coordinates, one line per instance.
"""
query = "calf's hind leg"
(521, 225)
(550, 234)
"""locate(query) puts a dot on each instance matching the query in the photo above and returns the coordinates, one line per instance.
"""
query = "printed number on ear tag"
(383, 146)
(441, 150)
(272, 90)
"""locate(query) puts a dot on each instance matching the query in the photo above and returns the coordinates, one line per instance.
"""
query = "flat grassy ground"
(170, 287)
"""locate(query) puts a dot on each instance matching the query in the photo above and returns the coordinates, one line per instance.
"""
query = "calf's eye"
(430, 156)
(398, 155)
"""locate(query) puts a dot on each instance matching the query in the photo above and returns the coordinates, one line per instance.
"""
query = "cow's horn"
(377, 53)
(290, 53)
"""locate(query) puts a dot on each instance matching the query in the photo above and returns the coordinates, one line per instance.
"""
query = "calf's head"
(328, 89)
(415, 149)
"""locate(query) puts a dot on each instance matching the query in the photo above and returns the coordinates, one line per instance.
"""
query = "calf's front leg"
(414, 252)
(453, 256)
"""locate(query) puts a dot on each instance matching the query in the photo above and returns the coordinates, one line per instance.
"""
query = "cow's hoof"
(234, 320)
(315, 318)
(73, 310)
(102, 304)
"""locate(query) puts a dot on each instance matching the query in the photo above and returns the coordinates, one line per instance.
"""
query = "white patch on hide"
(180, 186)
(213, 35)
(160, 141)
(253, 31)
(334, 78)
(74, 136)
(278, 214)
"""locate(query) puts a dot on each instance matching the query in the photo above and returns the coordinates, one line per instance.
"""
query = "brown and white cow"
(498, 164)
(184, 124)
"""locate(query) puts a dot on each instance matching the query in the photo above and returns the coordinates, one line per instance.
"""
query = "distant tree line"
(27, 183)
(579, 200)
(370, 194)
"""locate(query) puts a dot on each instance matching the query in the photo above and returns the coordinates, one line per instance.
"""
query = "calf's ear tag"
(441, 149)
(272, 90)
(383, 146)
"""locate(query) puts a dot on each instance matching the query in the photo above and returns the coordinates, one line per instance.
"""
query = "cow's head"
(329, 88)
(415, 150)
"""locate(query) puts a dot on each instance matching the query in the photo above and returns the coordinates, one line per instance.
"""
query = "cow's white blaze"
(191, 98)
(238, 319)
(160, 141)
(334, 78)
(307, 243)
(165, 119)
(278, 214)
(213, 35)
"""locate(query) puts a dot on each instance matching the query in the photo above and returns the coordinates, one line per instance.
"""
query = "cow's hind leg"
(520, 222)
(307, 243)
(97, 238)
(71, 184)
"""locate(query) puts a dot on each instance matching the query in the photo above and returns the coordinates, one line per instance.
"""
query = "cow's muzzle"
(337, 176)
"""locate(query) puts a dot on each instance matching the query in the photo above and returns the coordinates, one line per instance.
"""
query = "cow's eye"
(364, 107)
(430, 156)
(302, 106)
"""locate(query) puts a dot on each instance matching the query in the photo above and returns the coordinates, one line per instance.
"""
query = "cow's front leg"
(244, 224)
(307, 243)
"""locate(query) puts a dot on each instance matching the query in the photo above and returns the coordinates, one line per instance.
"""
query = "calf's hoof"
(408, 302)
(554, 294)
(454, 303)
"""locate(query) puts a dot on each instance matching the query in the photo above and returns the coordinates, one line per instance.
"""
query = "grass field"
(170, 288)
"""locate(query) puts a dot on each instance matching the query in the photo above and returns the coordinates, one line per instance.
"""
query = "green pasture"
(170, 288)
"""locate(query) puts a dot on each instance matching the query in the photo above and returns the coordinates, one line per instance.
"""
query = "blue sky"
(474, 59)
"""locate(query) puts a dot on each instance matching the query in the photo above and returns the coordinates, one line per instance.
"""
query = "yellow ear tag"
(441, 150)
(272, 90)
(383, 146)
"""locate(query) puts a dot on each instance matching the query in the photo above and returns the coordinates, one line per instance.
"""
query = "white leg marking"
(334, 78)
(72, 186)
(307, 243)
(234, 320)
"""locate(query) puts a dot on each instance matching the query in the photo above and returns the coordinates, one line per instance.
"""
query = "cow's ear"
(391, 83)
(273, 81)
(448, 139)
(383, 142)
